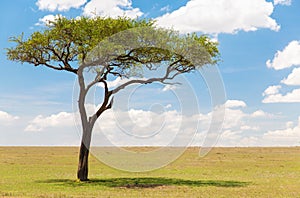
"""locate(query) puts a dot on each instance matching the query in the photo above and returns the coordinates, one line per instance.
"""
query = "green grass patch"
(143, 182)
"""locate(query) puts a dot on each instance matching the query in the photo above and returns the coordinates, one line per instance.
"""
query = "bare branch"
(167, 76)
(148, 81)
(53, 67)
(67, 66)
(60, 68)
(105, 105)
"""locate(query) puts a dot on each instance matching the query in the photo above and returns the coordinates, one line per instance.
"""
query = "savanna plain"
(224, 172)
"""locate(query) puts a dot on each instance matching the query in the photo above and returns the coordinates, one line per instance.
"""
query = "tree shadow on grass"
(145, 182)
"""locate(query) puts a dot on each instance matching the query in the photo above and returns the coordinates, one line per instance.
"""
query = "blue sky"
(260, 51)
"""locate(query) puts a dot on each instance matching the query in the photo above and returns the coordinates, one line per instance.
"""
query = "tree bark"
(82, 172)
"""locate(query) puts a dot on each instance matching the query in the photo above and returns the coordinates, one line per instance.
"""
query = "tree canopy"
(65, 44)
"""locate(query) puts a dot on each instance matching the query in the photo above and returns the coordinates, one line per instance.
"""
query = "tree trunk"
(82, 172)
(88, 123)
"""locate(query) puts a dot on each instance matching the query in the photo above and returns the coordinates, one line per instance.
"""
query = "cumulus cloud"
(141, 118)
(286, 137)
(290, 97)
(287, 58)
(112, 8)
(233, 119)
(119, 81)
(221, 16)
(272, 90)
(247, 128)
(235, 103)
(260, 114)
(46, 20)
(138, 127)
(148, 128)
(60, 5)
(290, 56)
(238, 123)
(293, 78)
(168, 106)
(141, 127)
(40, 123)
(237, 120)
(289, 124)
(283, 2)
(6, 118)
(165, 9)
(169, 88)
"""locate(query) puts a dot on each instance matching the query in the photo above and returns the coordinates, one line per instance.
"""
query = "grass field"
(224, 172)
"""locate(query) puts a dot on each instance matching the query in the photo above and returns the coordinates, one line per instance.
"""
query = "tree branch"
(106, 103)
(65, 61)
(60, 68)
(97, 79)
(167, 76)
(81, 100)
(148, 81)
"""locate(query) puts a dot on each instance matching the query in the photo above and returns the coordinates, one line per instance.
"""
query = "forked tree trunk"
(82, 172)
(88, 123)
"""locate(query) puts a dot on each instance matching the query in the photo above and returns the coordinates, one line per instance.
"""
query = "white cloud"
(293, 78)
(291, 97)
(235, 103)
(286, 137)
(237, 120)
(169, 88)
(233, 119)
(290, 56)
(6, 118)
(283, 2)
(252, 128)
(60, 5)
(141, 127)
(221, 16)
(111, 8)
(260, 113)
(141, 118)
(272, 93)
(290, 136)
(272, 90)
(119, 81)
(46, 20)
(165, 9)
(289, 124)
(239, 125)
(168, 106)
(39, 123)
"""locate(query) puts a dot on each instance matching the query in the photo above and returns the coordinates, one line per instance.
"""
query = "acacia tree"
(74, 45)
